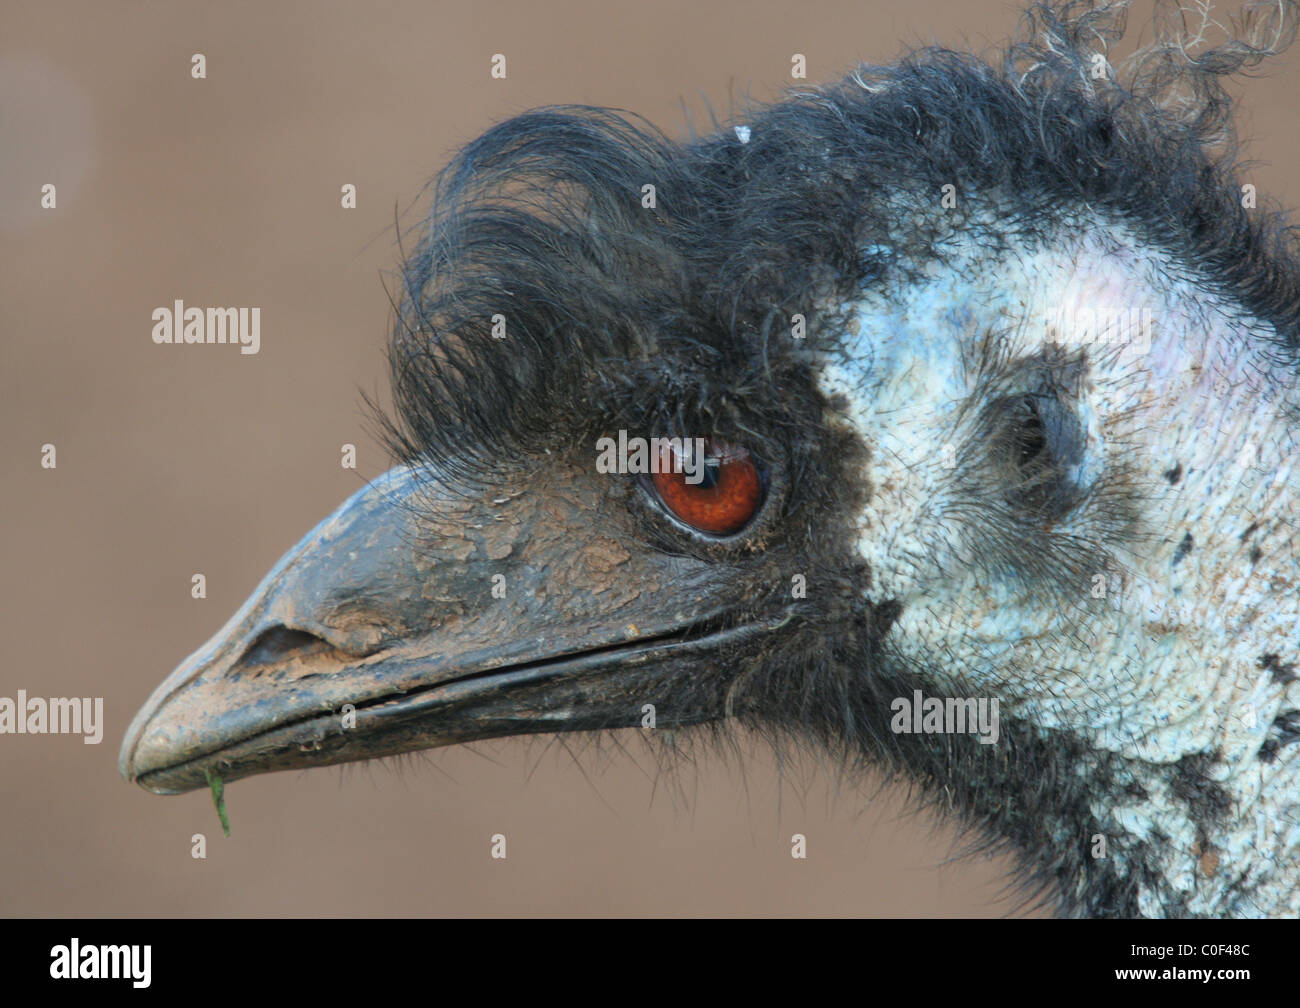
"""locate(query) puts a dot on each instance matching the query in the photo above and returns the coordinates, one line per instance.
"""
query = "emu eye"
(718, 498)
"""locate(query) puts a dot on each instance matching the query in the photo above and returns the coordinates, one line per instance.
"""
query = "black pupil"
(710, 477)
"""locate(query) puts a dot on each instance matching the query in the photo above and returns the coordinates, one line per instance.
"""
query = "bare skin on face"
(1139, 616)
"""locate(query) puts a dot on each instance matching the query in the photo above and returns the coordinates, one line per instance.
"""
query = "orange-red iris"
(726, 498)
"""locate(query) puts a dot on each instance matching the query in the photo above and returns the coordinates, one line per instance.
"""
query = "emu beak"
(417, 617)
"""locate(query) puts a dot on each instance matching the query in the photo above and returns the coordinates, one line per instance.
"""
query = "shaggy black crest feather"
(666, 319)
(659, 314)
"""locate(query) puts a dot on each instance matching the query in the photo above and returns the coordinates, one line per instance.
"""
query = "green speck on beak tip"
(219, 799)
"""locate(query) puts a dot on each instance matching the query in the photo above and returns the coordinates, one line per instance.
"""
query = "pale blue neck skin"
(1167, 663)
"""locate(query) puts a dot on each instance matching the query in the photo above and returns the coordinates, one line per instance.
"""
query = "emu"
(942, 465)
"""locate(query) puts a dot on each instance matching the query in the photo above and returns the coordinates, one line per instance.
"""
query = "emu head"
(995, 373)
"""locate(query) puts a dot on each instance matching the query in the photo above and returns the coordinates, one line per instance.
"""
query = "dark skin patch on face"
(1206, 800)
(1175, 474)
(1283, 672)
(1285, 730)
(1184, 548)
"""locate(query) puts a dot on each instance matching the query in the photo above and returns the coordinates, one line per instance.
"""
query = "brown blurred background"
(172, 461)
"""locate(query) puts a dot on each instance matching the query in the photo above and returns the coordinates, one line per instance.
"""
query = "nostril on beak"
(279, 643)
